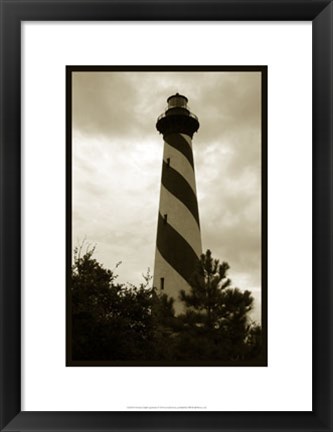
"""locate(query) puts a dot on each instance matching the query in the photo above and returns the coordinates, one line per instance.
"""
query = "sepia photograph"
(166, 216)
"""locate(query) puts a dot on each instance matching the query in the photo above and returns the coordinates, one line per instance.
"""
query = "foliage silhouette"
(117, 322)
(110, 321)
(216, 323)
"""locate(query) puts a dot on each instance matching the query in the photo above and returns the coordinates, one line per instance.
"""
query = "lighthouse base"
(168, 281)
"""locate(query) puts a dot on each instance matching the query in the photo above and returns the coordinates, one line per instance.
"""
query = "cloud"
(117, 157)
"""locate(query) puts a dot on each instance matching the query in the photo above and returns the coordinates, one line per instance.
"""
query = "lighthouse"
(178, 242)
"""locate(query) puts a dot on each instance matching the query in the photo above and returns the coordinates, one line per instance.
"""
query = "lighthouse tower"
(178, 244)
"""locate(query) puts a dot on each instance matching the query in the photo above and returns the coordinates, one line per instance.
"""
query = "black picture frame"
(13, 12)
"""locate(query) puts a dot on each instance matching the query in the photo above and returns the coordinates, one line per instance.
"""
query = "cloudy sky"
(117, 162)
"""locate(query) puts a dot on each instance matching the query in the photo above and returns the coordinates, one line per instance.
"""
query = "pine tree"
(206, 298)
(216, 323)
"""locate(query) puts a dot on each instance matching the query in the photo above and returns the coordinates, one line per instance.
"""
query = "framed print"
(187, 313)
(115, 62)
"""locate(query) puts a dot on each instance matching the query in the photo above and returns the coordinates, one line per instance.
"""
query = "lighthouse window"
(162, 283)
(177, 101)
(165, 219)
(168, 161)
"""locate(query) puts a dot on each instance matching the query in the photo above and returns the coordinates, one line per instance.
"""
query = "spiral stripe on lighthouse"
(180, 255)
(180, 163)
(187, 139)
(178, 213)
(178, 186)
(181, 144)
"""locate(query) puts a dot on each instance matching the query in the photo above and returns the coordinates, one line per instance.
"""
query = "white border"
(46, 383)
